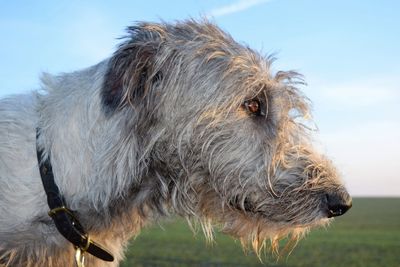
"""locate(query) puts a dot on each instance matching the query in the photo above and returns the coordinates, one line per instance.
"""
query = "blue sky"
(349, 52)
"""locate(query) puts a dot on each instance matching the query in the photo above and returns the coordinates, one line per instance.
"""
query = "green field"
(369, 235)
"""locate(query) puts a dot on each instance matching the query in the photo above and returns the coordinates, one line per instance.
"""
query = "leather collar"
(65, 219)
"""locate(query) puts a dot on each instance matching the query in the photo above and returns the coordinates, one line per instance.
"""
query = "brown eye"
(253, 106)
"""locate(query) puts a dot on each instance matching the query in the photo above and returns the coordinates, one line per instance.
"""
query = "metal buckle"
(79, 257)
(73, 231)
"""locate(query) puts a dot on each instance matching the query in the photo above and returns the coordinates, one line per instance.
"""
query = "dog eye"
(253, 106)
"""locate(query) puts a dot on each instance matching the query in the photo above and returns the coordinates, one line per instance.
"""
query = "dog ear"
(130, 69)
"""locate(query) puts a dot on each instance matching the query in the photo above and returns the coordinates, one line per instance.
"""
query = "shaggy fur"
(162, 127)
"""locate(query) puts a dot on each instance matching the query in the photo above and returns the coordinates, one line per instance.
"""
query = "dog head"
(222, 138)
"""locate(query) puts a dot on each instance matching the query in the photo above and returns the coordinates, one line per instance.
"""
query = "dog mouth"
(249, 207)
(330, 205)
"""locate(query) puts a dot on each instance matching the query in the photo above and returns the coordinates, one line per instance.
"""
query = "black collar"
(64, 219)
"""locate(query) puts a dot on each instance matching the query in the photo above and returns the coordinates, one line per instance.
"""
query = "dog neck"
(93, 165)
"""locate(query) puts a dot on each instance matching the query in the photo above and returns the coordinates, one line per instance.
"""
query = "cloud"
(361, 131)
(235, 7)
(369, 92)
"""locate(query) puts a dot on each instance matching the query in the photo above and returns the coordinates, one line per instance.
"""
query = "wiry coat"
(161, 128)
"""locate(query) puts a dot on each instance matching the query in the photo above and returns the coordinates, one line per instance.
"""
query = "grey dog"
(180, 120)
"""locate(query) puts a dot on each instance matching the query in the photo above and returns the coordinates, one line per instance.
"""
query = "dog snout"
(337, 203)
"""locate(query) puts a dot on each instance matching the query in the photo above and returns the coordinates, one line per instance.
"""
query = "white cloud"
(365, 93)
(235, 7)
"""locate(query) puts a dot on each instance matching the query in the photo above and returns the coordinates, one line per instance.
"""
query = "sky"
(348, 51)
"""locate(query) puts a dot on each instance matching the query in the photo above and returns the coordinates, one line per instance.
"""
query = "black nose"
(338, 203)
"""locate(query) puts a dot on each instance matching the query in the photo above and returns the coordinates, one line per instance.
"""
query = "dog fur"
(164, 126)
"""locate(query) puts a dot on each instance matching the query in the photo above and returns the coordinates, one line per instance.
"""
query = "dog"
(180, 120)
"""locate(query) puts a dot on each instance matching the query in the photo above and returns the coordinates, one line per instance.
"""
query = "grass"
(369, 235)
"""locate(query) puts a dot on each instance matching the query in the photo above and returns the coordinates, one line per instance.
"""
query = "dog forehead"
(202, 39)
(207, 60)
